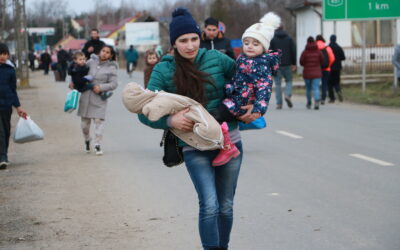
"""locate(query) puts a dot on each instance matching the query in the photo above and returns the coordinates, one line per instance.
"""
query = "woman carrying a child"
(92, 103)
(201, 75)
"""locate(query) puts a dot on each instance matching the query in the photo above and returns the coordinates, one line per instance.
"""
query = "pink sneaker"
(228, 152)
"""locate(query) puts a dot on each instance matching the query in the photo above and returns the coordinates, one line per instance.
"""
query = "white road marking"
(274, 194)
(376, 161)
(289, 134)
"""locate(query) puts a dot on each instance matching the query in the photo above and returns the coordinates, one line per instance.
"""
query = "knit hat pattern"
(264, 30)
(182, 23)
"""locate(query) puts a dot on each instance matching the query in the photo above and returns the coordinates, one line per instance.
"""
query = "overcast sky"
(78, 6)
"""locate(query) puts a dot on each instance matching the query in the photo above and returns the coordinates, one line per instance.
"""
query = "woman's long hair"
(189, 80)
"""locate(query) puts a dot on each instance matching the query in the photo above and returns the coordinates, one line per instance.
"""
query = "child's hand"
(96, 89)
(247, 118)
(256, 115)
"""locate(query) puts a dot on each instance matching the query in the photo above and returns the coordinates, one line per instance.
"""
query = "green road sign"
(360, 9)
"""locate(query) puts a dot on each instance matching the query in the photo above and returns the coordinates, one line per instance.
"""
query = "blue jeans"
(215, 188)
(312, 84)
(324, 84)
(285, 72)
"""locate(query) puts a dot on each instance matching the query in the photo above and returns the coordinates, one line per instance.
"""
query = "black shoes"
(87, 146)
(316, 105)
(288, 101)
(340, 97)
(97, 149)
(308, 105)
(3, 165)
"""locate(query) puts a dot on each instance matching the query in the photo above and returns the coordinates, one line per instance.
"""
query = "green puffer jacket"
(218, 65)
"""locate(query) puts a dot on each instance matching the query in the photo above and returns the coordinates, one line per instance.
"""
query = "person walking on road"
(311, 59)
(45, 60)
(328, 59)
(94, 45)
(131, 57)
(396, 61)
(285, 43)
(32, 58)
(213, 38)
(336, 68)
(92, 107)
(8, 99)
(200, 74)
(62, 65)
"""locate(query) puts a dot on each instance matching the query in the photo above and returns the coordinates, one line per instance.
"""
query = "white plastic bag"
(27, 131)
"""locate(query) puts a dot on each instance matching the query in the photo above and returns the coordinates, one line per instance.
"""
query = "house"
(380, 38)
(69, 42)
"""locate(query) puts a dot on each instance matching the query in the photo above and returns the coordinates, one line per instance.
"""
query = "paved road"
(301, 185)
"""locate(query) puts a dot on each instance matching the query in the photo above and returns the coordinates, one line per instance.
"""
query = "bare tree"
(45, 11)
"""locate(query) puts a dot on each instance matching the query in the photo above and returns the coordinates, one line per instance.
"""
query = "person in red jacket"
(326, 52)
(311, 59)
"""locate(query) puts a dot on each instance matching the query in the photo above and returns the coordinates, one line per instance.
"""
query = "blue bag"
(71, 103)
(259, 123)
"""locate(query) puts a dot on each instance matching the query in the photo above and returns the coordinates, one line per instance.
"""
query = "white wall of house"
(307, 24)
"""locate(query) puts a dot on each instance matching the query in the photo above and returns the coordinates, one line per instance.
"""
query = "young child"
(151, 60)
(8, 99)
(252, 82)
(79, 74)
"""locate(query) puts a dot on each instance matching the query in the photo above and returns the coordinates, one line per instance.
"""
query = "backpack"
(325, 58)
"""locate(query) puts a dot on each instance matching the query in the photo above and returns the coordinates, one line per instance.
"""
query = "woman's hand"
(71, 85)
(179, 121)
(21, 112)
(96, 89)
(248, 117)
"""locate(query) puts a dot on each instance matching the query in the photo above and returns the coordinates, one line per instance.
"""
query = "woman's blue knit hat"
(182, 23)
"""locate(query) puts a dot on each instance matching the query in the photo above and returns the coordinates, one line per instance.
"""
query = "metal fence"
(378, 60)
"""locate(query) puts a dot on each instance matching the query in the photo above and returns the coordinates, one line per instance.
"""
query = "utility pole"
(3, 7)
(21, 42)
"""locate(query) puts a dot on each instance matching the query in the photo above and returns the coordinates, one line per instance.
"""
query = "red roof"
(108, 27)
(75, 44)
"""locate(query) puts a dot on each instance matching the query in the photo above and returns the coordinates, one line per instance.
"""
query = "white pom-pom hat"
(264, 30)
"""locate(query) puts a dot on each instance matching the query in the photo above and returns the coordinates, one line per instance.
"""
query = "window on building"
(378, 32)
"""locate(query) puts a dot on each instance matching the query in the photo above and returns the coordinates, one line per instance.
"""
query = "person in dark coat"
(285, 43)
(45, 60)
(213, 38)
(131, 57)
(62, 62)
(334, 77)
(94, 45)
(32, 58)
(311, 59)
(8, 99)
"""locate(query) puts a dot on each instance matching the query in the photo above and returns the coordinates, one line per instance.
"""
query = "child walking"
(79, 75)
(8, 99)
(252, 81)
(151, 59)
